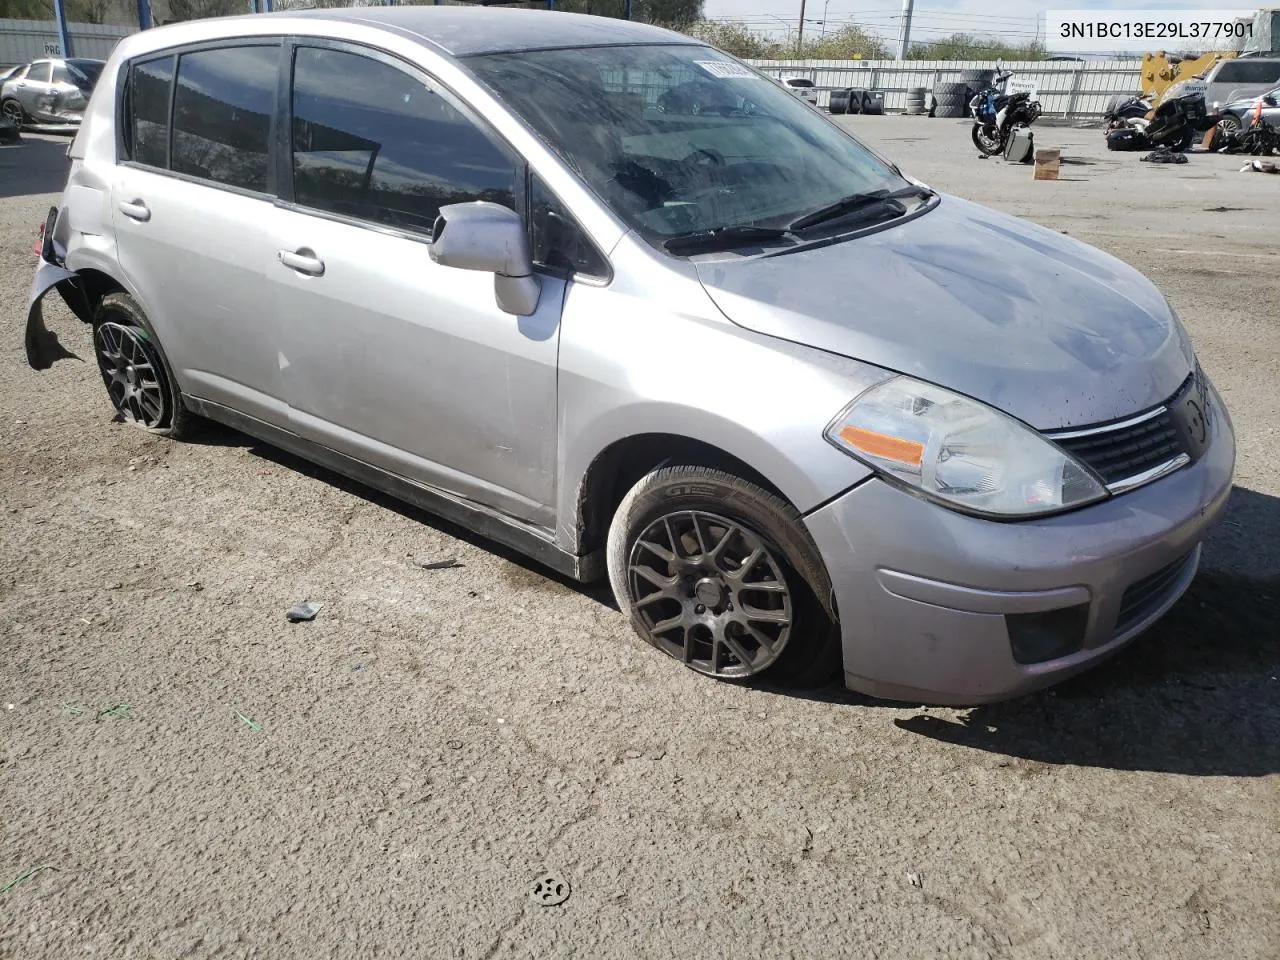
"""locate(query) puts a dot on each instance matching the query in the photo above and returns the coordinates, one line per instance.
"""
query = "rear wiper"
(855, 202)
(722, 238)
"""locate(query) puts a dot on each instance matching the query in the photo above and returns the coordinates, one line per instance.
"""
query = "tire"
(1230, 123)
(839, 102)
(12, 109)
(134, 370)
(872, 103)
(987, 147)
(1183, 143)
(690, 531)
(855, 99)
(978, 78)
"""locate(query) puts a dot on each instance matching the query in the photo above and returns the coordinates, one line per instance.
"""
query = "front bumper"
(924, 593)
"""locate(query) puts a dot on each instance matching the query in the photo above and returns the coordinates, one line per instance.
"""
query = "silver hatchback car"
(613, 298)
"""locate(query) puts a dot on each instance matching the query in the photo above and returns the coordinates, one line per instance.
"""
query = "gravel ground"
(436, 740)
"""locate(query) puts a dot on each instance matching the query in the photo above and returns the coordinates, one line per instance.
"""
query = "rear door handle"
(135, 210)
(304, 261)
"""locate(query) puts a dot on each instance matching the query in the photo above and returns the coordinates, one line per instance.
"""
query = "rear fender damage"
(43, 348)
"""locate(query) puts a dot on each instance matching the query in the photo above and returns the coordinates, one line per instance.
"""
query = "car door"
(387, 356)
(191, 204)
(35, 91)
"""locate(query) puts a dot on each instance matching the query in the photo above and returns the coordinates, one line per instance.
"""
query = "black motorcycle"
(996, 114)
(1175, 124)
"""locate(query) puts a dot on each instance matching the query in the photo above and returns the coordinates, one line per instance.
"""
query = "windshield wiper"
(855, 202)
(722, 238)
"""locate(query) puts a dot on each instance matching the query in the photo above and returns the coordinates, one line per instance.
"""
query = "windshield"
(678, 139)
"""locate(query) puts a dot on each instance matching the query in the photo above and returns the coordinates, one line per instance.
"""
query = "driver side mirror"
(1269, 100)
(489, 237)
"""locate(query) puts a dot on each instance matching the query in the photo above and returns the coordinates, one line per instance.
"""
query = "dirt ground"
(199, 778)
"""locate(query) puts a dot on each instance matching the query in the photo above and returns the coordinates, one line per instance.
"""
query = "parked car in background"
(49, 91)
(802, 87)
(798, 407)
(1239, 78)
(1239, 113)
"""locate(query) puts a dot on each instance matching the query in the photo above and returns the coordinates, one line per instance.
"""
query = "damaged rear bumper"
(42, 346)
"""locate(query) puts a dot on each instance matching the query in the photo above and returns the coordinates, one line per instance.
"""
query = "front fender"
(43, 348)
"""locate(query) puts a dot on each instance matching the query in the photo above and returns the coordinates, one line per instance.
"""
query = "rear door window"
(222, 111)
(373, 142)
(40, 72)
(60, 73)
(148, 112)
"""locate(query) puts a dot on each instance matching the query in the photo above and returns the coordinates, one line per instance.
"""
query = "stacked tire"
(951, 100)
(839, 102)
(873, 103)
(916, 97)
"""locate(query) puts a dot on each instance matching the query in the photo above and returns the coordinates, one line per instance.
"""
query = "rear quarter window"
(1248, 71)
(146, 112)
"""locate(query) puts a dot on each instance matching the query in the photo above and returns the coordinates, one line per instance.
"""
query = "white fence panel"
(1074, 91)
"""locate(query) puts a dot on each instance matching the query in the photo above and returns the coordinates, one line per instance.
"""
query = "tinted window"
(60, 73)
(1248, 71)
(222, 114)
(800, 83)
(557, 240)
(39, 72)
(84, 73)
(149, 85)
(373, 142)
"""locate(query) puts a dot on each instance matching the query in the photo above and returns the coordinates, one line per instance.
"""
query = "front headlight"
(960, 452)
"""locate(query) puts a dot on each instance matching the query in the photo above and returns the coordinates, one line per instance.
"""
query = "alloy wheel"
(13, 112)
(129, 368)
(709, 592)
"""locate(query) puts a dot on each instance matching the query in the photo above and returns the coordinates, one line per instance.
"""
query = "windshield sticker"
(726, 70)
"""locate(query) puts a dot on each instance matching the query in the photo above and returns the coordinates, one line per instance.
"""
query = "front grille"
(1121, 452)
(1149, 594)
(1116, 455)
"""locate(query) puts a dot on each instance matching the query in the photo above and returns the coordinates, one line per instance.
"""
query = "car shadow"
(36, 164)
(1198, 694)
(528, 572)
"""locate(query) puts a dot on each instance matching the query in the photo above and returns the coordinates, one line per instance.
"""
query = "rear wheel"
(718, 573)
(13, 112)
(133, 369)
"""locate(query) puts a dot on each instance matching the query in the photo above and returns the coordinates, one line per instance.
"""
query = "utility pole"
(904, 43)
(800, 33)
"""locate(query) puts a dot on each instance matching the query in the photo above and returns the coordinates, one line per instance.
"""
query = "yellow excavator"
(1161, 70)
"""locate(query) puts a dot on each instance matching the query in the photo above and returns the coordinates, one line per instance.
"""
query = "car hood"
(1041, 326)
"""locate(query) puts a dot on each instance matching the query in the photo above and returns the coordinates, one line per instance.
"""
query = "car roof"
(470, 31)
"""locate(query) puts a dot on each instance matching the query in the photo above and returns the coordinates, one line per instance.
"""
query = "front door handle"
(135, 210)
(303, 260)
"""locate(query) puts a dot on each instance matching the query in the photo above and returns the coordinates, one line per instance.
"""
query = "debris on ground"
(446, 564)
(550, 890)
(249, 722)
(26, 875)
(303, 612)
(117, 711)
(1164, 155)
(1259, 166)
(915, 879)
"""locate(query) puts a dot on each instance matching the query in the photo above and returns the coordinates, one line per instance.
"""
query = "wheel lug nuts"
(699, 609)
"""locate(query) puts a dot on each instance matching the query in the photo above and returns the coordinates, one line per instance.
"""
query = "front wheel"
(718, 573)
(987, 139)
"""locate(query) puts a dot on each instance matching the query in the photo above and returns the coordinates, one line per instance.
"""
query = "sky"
(1012, 19)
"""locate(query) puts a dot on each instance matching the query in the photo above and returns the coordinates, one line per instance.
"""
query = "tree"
(169, 11)
(848, 43)
(734, 38)
(968, 46)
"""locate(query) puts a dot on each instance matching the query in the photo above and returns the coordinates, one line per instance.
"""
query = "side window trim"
(123, 106)
(284, 115)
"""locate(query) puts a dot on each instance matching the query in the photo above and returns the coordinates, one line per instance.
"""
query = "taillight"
(39, 241)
